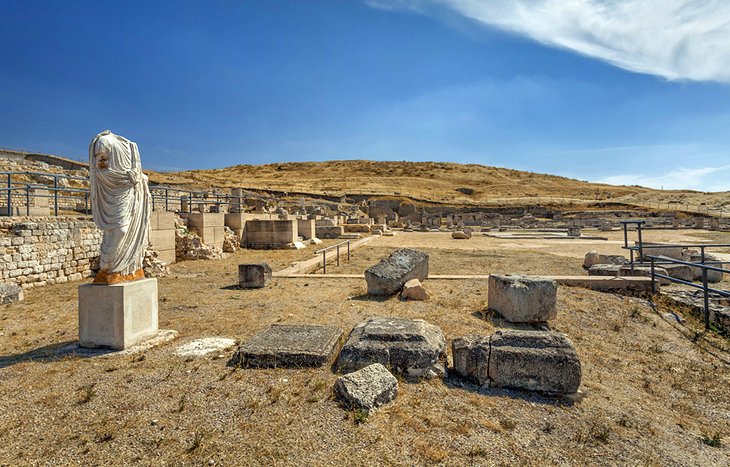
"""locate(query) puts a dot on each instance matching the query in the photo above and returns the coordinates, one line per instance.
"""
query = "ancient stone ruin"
(289, 345)
(523, 299)
(390, 275)
(412, 348)
(541, 361)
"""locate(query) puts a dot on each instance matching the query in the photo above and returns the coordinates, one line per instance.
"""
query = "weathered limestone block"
(678, 271)
(367, 388)
(254, 275)
(413, 348)
(389, 275)
(713, 277)
(573, 231)
(289, 345)
(604, 270)
(593, 258)
(523, 299)
(357, 228)
(413, 290)
(542, 361)
(10, 293)
(334, 231)
(460, 235)
(119, 315)
(471, 357)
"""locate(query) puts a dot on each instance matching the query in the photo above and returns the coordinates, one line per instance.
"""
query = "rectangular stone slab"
(117, 316)
(289, 345)
(534, 360)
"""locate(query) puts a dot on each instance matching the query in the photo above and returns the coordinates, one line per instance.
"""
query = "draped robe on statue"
(120, 204)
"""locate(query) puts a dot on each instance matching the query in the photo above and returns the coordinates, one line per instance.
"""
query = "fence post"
(338, 254)
(55, 195)
(348, 250)
(27, 200)
(324, 261)
(653, 284)
(9, 196)
(707, 298)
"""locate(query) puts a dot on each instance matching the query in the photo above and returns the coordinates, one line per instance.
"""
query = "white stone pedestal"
(117, 316)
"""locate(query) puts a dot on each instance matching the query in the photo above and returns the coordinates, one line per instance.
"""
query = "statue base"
(117, 316)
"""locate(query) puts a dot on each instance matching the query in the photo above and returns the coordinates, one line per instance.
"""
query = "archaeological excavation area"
(272, 328)
(264, 359)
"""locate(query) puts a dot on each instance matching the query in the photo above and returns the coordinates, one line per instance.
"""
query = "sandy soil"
(652, 389)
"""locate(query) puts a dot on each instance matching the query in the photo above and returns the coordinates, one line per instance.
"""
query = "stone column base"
(117, 316)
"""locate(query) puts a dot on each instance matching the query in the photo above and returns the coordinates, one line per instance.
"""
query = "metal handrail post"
(86, 202)
(338, 255)
(348, 250)
(653, 284)
(27, 200)
(167, 201)
(706, 298)
(55, 195)
(324, 261)
(9, 195)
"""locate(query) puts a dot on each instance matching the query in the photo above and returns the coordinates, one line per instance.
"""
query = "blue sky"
(626, 91)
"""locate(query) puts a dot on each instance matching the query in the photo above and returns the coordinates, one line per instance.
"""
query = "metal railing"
(656, 260)
(333, 247)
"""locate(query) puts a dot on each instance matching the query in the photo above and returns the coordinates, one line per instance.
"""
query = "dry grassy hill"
(427, 180)
(436, 181)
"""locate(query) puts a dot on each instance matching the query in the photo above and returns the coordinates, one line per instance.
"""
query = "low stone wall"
(210, 226)
(273, 234)
(47, 250)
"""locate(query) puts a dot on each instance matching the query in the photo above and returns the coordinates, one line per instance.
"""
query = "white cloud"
(681, 178)
(676, 39)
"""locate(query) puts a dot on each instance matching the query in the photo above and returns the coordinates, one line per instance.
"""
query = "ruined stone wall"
(47, 250)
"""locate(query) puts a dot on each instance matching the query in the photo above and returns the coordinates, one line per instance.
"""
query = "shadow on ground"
(51, 353)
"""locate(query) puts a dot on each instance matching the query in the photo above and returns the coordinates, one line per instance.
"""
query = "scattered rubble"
(367, 388)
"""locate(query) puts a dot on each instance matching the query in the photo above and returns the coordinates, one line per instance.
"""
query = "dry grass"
(652, 393)
(431, 181)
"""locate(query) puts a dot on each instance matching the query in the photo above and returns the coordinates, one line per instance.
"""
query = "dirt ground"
(653, 392)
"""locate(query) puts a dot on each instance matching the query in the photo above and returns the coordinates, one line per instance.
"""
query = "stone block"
(592, 258)
(460, 235)
(471, 357)
(254, 275)
(389, 275)
(289, 345)
(162, 220)
(413, 290)
(357, 228)
(270, 234)
(306, 228)
(678, 271)
(334, 231)
(713, 277)
(523, 299)
(604, 270)
(411, 347)
(119, 315)
(542, 361)
(367, 388)
(10, 293)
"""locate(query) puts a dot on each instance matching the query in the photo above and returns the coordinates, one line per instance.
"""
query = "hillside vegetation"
(443, 182)
(420, 179)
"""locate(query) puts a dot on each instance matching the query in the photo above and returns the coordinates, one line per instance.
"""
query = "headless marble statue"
(120, 204)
